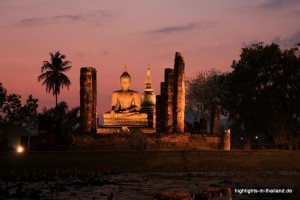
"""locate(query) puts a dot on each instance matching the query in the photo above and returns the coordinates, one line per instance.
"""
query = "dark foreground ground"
(150, 175)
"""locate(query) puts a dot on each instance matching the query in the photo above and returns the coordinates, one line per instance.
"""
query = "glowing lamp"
(20, 149)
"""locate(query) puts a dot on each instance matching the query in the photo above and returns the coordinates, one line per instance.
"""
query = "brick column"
(226, 140)
(168, 104)
(179, 94)
(160, 116)
(88, 99)
(158, 113)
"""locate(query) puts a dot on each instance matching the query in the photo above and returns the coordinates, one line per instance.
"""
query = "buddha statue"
(128, 102)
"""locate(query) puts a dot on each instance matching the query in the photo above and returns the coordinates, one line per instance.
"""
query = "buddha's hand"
(126, 111)
(112, 112)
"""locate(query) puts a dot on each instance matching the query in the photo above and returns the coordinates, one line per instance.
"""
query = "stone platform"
(149, 142)
(117, 120)
(114, 130)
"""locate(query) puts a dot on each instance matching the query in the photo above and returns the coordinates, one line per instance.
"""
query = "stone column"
(154, 118)
(215, 120)
(88, 99)
(158, 113)
(226, 140)
(168, 104)
(160, 116)
(179, 94)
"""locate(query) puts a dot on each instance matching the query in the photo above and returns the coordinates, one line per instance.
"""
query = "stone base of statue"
(116, 130)
(132, 119)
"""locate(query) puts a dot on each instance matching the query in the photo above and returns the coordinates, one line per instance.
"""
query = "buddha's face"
(125, 83)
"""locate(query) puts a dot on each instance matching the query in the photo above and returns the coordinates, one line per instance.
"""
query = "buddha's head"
(125, 80)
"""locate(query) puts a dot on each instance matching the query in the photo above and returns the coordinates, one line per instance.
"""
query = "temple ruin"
(162, 115)
(171, 100)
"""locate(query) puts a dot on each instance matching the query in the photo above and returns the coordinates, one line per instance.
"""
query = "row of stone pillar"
(170, 104)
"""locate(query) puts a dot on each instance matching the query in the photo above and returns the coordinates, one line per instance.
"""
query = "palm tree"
(53, 74)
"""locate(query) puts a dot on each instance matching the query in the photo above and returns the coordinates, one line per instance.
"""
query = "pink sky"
(109, 34)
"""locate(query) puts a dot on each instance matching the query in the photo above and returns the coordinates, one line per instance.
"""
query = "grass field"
(140, 161)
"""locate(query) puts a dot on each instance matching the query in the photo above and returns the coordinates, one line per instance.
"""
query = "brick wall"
(150, 142)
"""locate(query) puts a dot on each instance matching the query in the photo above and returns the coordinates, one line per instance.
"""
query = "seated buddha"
(128, 102)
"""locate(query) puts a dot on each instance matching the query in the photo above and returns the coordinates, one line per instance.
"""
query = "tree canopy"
(204, 91)
(260, 95)
(264, 90)
(204, 97)
(54, 119)
(13, 113)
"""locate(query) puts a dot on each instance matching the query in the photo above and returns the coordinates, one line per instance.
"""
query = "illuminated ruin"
(171, 101)
(162, 116)
(133, 111)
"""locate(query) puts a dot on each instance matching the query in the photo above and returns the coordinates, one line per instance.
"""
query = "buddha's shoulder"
(117, 91)
(133, 91)
(120, 92)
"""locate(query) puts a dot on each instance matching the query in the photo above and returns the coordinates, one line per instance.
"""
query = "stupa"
(148, 100)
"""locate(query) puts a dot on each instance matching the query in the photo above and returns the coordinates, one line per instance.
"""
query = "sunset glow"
(107, 35)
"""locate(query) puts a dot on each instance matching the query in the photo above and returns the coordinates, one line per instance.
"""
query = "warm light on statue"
(128, 100)
(125, 106)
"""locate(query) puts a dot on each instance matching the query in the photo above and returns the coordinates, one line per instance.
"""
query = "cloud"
(294, 39)
(277, 40)
(68, 17)
(95, 17)
(295, 12)
(182, 28)
(291, 41)
(101, 13)
(172, 29)
(32, 22)
(277, 3)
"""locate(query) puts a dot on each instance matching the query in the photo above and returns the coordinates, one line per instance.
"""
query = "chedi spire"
(148, 100)
(148, 83)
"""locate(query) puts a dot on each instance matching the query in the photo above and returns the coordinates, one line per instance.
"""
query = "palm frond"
(65, 63)
(65, 69)
(46, 66)
(62, 57)
(65, 81)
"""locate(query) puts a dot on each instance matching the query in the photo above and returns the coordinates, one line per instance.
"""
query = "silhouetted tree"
(53, 74)
(72, 119)
(265, 91)
(60, 119)
(12, 110)
(29, 112)
(12, 113)
(3, 93)
(204, 92)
